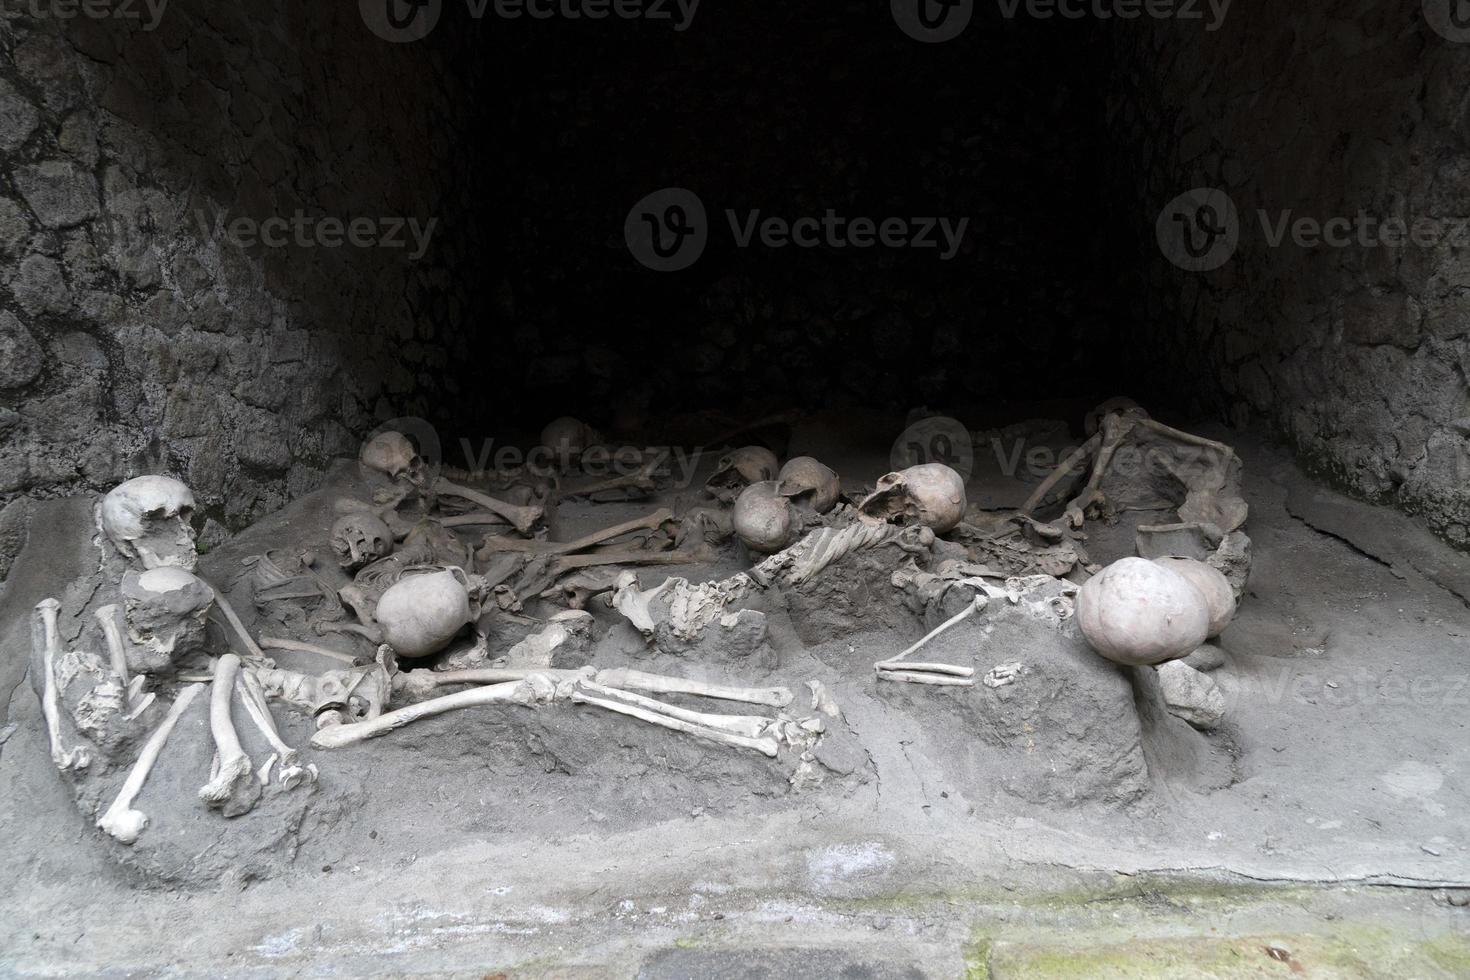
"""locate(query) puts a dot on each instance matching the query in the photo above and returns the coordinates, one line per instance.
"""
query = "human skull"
(1113, 406)
(810, 485)
(359, 539)
(764, 519)
(1211, 583)
(421, 612)
(165, 609)
(930, 494)
(568, 439)
(147, 520)
(739, 469)
(1138, 613)
(392, 454)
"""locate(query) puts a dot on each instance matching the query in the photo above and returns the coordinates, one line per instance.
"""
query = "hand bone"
(120, 820)
(49, 636)
(233, 788)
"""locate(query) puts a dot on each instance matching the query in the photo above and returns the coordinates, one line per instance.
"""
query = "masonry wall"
(136, 334)
(1358, 355)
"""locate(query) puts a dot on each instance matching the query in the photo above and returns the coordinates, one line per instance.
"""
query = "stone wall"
(137, 334)
(1359, 355)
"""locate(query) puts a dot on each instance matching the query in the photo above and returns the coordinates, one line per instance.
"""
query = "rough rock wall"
(1358, 354)
(137, 333)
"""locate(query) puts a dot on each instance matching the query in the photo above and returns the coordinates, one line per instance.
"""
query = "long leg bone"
(767, 745)
(636, 680)
(120, 820)
(649, 523)
(132, 687)
(233, 789)
(517, 692)
(278, 643)
(899, 669)
(50, 636)
(750, 726)
(641, 480)
(292, 774)
(523, 519)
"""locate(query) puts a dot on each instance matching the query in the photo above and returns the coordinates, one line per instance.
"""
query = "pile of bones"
(411, 584)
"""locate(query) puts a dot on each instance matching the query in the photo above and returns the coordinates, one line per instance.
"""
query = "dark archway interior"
(792, 112)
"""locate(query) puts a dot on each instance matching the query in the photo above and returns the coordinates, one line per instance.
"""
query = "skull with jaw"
(739, 469)
(809, 485)
(765, 521)
(359, 539)
(147, 520)
(930, 494)
(392, 454)
(165, 609)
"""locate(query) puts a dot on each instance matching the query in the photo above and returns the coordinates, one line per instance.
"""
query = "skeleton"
(166, 609)
(809, 485)
(47, 636)
(765, 520)
(120, 819)
(232, 788)
(930, 494)
(643, 481)
(147, 520)
(359, 539)
(739, 469)
(1199, 476)
(393, 455)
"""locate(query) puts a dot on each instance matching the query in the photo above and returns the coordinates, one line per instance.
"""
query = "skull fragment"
(930, 494)
(739, 469)
(765, 521)
(359, 539)
(392, 454)
(165, 609)
(809, 484)
(421, 612)
(147, 520)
